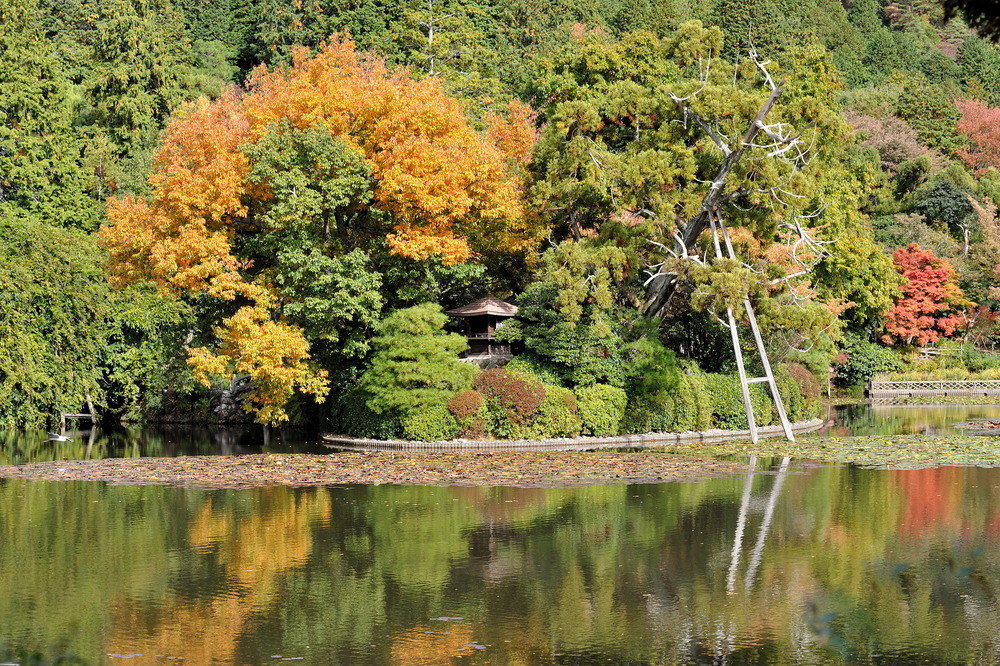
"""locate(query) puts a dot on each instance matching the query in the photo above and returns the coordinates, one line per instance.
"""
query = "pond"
(892, 420)
(789, 563)
(18, 448)
(831, 564)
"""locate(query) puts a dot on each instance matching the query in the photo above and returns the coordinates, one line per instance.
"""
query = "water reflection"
(835, 564)
(17, 448)
(894, 420)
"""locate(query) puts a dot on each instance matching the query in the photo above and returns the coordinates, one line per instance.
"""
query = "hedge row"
(512, 404)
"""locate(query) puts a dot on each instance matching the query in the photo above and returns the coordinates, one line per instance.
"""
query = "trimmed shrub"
(791, 393)
(810, 389)
(469, 409)
(558, 415)
(681, 404)
(728, 411)
(602, 409)
(512, 398)
(693, 409)
(466, 404)
(430, 425)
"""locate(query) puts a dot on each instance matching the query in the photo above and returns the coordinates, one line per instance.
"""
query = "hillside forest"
(275, 202)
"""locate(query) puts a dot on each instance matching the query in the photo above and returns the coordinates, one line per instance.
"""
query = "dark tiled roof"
(485, 306)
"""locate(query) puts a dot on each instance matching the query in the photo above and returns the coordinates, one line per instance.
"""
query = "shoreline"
(534, 469)
(654, 440)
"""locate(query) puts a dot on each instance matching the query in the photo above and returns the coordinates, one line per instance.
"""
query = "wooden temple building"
(482, 318)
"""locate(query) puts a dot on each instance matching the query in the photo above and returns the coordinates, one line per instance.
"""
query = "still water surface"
(791, 564)
(20, 448)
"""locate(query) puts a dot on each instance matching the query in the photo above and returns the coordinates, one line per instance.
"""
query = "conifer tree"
(416, 364)
(39, 156)
(141, 61)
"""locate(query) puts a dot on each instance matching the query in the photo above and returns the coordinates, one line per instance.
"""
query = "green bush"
(694, 403)
(684, 406)
(558, 415)
(861, 360)
(415, 366)
(728, 411)
(602, 409)
(432, 424)
(470, 411)
(791, 393)
(359, 420)
(512, 401)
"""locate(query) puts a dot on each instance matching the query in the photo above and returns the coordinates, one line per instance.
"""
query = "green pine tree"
(40, 169)
(415, 366)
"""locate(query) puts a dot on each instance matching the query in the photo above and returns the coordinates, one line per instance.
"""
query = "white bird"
(55, 437)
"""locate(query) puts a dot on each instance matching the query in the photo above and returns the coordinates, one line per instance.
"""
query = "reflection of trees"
(18, 448)
(242, 556)
(851, 563)
(895, 420)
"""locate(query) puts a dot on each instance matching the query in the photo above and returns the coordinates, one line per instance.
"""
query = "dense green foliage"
(53, 321)
(415, 368)
(727, 403)
(630, 103)
(863, 359)
(602, 409)
(66, 337)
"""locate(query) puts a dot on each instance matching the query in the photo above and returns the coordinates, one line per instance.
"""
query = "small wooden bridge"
(884, 390)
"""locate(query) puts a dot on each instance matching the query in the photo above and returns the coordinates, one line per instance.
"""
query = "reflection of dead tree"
(777, 139)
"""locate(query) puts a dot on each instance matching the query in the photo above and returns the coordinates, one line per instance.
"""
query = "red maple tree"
(931, 305)
(981, 126)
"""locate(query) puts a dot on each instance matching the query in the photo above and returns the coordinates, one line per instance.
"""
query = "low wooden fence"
(883, 390)
(570, 443)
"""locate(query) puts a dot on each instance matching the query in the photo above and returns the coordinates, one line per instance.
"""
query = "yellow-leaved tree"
(264, 193)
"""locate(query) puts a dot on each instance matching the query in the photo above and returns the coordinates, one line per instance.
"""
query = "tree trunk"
(661, 289)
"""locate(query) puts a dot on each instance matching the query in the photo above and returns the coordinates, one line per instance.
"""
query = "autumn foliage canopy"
(932, 304)
(981, 126)
(337, 152)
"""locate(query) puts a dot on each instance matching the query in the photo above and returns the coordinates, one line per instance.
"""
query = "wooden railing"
(946, 387)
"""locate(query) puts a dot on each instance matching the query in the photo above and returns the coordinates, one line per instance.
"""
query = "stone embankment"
(649, 440)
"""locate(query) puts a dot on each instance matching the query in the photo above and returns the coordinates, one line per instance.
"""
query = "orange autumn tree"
(931, 305)
(263, 194)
